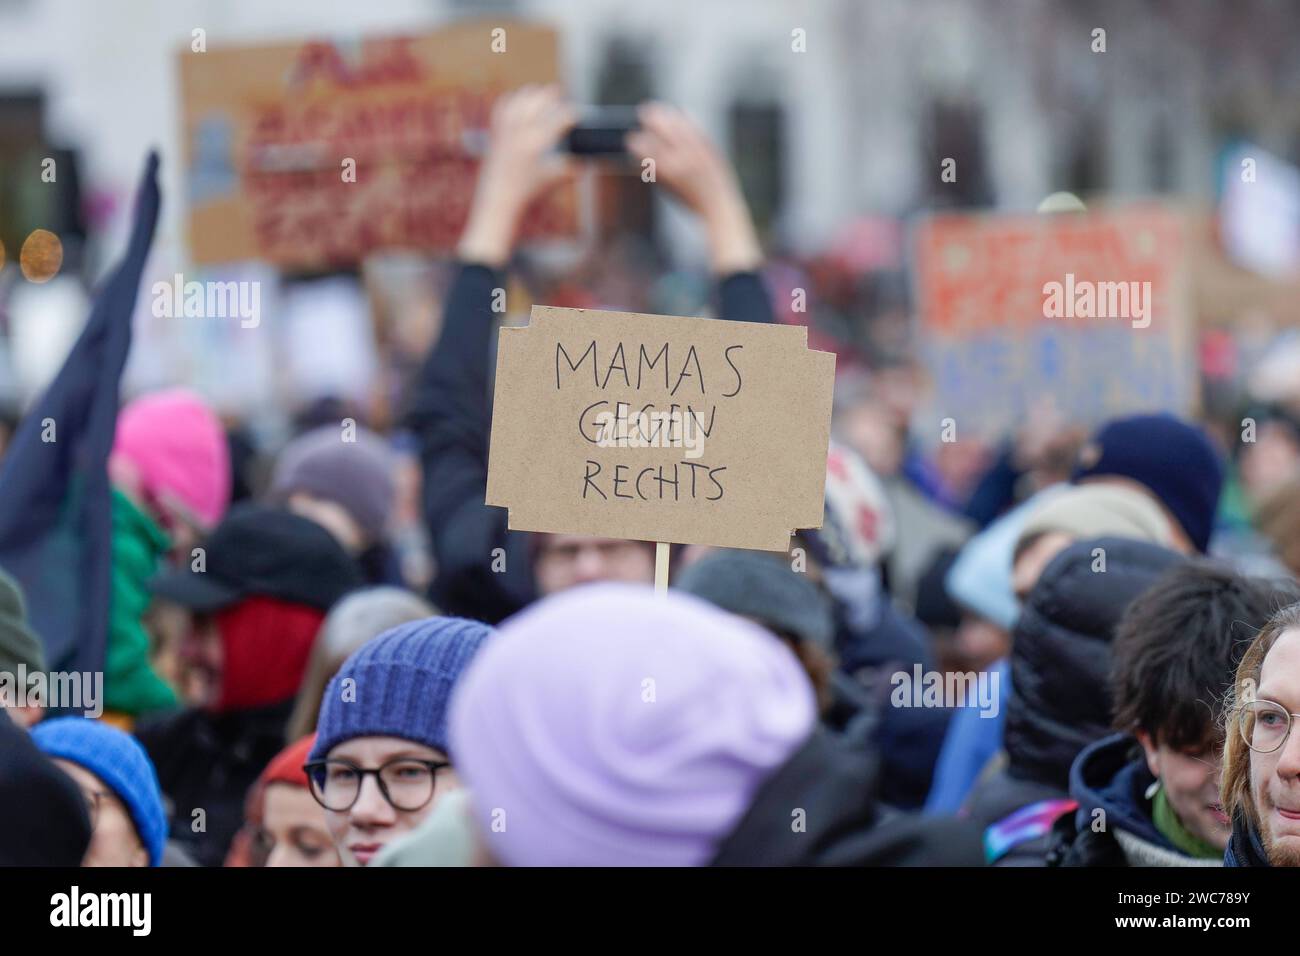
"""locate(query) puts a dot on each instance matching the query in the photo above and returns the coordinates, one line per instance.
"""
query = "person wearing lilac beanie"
(606, 726)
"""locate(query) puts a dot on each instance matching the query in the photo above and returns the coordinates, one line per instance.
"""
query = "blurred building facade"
(830, 108)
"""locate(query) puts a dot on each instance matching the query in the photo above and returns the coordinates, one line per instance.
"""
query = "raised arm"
(692, 167)
(451, 407)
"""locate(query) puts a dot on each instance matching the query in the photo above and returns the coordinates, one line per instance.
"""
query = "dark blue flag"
(55, 514)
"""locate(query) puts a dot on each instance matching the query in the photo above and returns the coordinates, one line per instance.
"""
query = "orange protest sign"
(660, 428)
(312, 154)
(1089, 310)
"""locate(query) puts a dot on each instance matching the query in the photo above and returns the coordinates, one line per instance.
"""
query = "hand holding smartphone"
(601, 131)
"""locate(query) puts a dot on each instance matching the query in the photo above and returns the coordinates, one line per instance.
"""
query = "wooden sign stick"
(661, 567)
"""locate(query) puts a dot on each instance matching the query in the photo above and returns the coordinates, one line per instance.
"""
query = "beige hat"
(1100, 509)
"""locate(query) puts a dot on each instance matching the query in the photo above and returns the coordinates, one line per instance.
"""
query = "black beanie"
(43, 819)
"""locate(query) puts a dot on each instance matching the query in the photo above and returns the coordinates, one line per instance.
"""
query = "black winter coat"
(451, 416)
(208, 762)
(1060, 653)
(821, 809)
(1060, 665)
(1244, 846)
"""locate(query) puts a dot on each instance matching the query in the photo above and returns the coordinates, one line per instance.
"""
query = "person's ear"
(1152, 752)
(27, 716)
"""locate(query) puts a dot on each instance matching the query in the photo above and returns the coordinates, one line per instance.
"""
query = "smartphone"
(601, 131)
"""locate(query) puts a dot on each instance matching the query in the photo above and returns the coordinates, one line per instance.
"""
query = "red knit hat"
(286, 766)
(266, 643)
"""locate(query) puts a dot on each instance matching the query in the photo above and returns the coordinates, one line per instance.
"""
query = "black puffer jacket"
(1060, 654)
(1060, 663)
(821, 808)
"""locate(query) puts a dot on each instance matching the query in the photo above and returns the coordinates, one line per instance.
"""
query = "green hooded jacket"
(130, 684)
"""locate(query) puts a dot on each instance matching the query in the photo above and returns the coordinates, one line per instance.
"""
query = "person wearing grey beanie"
(356, 619)
(384, 715)
(343, 479)
(21, 655)
(764, 589)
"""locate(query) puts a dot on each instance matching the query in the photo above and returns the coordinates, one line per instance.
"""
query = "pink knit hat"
(176, 441)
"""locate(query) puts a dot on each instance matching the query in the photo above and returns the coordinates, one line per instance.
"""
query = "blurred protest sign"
(1088, 310)
(312, 154)
(660, 428)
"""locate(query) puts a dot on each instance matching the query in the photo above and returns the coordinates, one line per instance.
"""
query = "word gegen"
(650, 426)
(645, 429)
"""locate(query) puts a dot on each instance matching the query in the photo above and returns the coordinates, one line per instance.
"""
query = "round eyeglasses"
(405, 782)
(1265, 725)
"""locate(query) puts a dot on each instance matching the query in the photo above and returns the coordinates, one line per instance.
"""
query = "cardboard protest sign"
(312, 154)
(1088, 310)
(660, 428)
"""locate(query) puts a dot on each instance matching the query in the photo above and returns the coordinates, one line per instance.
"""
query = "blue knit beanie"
(1175, 460)
(402, 681)
(116, 758)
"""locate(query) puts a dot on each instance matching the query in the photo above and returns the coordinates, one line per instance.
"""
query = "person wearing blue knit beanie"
(380, 762)
(115, 775)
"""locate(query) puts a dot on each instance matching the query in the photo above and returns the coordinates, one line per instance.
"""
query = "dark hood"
(1060, 654)
(43, 820)
(833, 780)
(1244, 846)
(1108, 776)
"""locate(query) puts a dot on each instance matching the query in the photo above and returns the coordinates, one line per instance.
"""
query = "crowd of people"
(276, 693)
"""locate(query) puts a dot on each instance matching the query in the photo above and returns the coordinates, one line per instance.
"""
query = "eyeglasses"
(1265, 725)
(405, 782)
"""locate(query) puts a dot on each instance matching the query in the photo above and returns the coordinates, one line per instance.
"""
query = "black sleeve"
(743, 297)
(996, 490)
(451, 417)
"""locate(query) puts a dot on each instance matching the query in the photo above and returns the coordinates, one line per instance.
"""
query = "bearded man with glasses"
(1149, 795)
(1261, 761)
